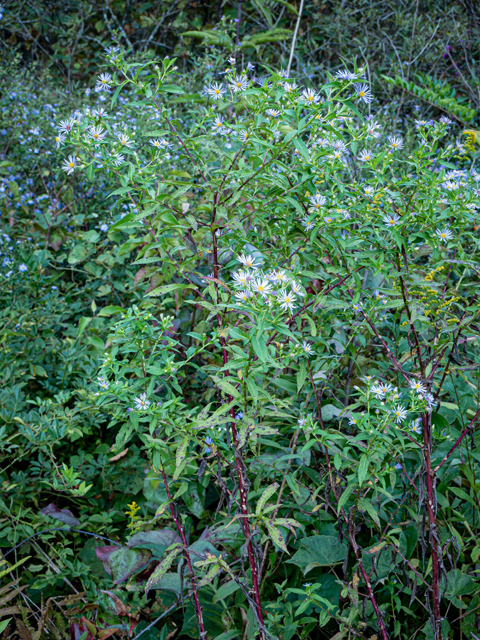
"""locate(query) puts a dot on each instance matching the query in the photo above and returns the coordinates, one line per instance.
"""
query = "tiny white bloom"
(104, 81)
(343, 74)
(70, 164)
(310, 96)
(307, 348)
(97, 133)
(417, 386)
(141, 402)
(391, 220)
(124, 140)
(363, 92)
(247, 261)
(262, 286)
(444, 235)
(395, 143)
(215, 90)
(287, 301)
(365, 156)
(400, 413)
(240, 83)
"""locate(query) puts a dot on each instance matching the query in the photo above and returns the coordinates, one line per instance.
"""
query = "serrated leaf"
(319, 551)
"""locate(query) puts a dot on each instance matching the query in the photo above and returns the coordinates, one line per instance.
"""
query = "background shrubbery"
(82, 252)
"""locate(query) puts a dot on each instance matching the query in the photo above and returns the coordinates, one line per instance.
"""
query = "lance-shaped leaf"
(275, 535)
(268, 493)
(122, 563)
(210, 575)
(290, 523)
(164, 566)
(182, 450)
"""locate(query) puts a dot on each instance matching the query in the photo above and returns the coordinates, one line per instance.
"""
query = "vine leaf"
(319, 551)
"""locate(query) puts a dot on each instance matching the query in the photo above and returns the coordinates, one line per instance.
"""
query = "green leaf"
(226, 590)
(260, 348)
(164, 566)
(319, 551)
(266, 495)
(367, 506)
(109, 310)
(363, 469)
(168, 288)
(301, 147)
(275, 535)
(460, 584)
(82, 325)
(226, 386)
(182, 450)
(123, 563)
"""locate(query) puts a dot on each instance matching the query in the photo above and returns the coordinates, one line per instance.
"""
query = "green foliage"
(437, 93)
(240, 338)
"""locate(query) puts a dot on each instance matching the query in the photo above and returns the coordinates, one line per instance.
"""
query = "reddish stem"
(431, 518)
(181, 531)
(457, 443)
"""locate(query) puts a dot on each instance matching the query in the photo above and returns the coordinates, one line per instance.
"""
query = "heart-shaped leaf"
(122, 563)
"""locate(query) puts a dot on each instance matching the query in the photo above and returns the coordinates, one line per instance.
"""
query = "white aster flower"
(310, 96)
(242, 278)
(444, 235)
(343, 74)
(59, 140)
(363, 92)
(417, 386)
(242, 296)
(125, 140)
(297, 289)
(273, 113)
(306, 348)
(141, 403)
(317, 201)
(70, 165)
(415, 426)
(97, 133)
(215, 90)
(66, 126)
(365, 156)
(262, 286)
(117, 159)
(391, 220)
(240, 83)
(279, 277)
(104, 383)
(395, 143)
(450, 185)
(217, 126)
(400, 413)
(103, 83)
(247, 261)
(287, 301)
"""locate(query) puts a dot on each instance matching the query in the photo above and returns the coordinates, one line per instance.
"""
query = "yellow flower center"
(361, 94)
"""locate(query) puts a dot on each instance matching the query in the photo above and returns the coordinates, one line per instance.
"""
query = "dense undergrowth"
(239, 322)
